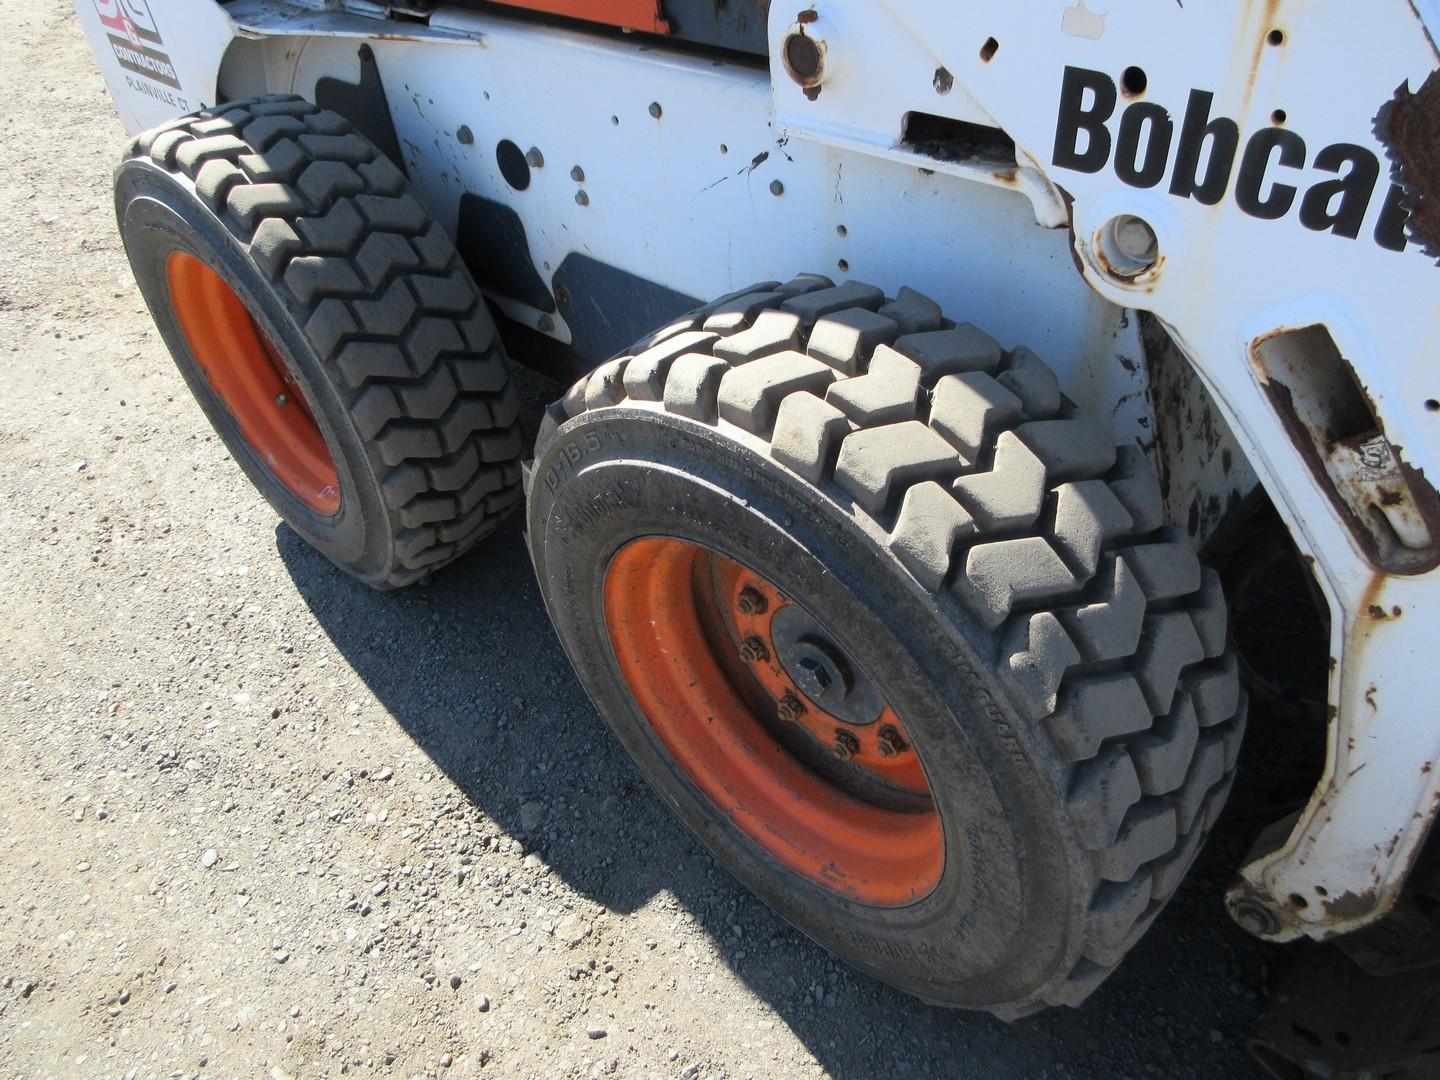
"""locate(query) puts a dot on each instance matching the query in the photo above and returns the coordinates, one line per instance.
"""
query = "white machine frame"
(702, 174)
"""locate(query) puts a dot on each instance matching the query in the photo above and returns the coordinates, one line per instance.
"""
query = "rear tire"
(369, 399)
(980, 549)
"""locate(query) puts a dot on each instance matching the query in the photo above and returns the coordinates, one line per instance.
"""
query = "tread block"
(1166, 569)
(968, 408)
(750, 394)
(930, 524)
(215, 180)
(1135, 485)
(1148, 834)
(1012, 494)
(349, 148)
(281, 163)
(382, 176)
(372, 410)
(429, 340)
(190, 155)
(429, 398)
(737, 312)
(1168, 645)
(645, 374)
(1215, 690)
(391, 313)
(334, 233)
(772, 332)
(448, 294)
(399, 213)
(818, 303)
(1206, 770)
(383, 254)
(329, 324)
(453, 474)
(606, 385)
(403, 483)
(886, 394)
(274, 243)
(876, 463)
(1087, 514)
(1101, 793)
(807, 434)
(427, 509)
(469, 415)
(951, 352)
(1210, 613)
(1117, 917)
(1084, 979)
(310, 277)
(434, 247)
(1110, 629)
(1001, 574)
(360, 361)
(262, 133)
(1167, 873)
(485, 482)
(805, 283)
(324, 181)
(1038, 652)
(844, 339)
(250, 202)
(913, 312)
(692, 386)
(1072, 448)
(1162, 757)
(1030, 379)
(1096, 708)
(719, 302)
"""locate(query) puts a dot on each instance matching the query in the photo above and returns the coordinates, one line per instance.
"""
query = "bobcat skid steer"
(922, 355)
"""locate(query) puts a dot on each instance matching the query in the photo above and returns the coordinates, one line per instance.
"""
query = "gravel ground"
(258, 821)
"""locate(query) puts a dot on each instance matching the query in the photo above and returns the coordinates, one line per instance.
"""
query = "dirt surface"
(259, 821)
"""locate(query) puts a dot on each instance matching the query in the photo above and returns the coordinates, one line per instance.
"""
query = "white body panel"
(685, 200)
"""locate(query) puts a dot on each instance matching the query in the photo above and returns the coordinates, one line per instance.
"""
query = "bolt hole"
(513, 166)
(1278, 117)
(486, 93)
(1431, 405)
(1321, 891)
(989, 49)
(1276, 37)
(1133, 81)
(840, 230)
(1298, 900)
(724, 149)
(615, 120)
(843, 265)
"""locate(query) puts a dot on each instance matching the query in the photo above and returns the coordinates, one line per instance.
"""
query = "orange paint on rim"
(247, 373)
(674, 627)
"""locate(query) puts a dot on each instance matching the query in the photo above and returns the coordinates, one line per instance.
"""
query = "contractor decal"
(136, 41)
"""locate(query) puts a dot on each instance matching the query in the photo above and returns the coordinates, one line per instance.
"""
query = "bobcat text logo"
(1268, 181)
(136, 39)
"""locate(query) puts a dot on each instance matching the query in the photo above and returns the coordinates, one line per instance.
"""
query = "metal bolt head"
(846, 745)
(753, 651)
(777, 188)
(465, 136)
(1253, 918)
(582, 199)
(281, 400)
(1135, 238)
(655, 109)
(751, 601)
(790, 709)
(889, 742)
(813, 676)
(534, 158)
(577, 174)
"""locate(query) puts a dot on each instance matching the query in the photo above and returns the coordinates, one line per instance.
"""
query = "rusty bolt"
(1254, 919)
(752, 601)
(753, 651)
(655, 109)
(809, 15)
(577, 174)
(582, 199)
(889, 742)
(465, 136)
(846, 745)
(791, 708)
(534, 158)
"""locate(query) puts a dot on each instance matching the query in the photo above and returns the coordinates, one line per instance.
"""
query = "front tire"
(328, 329)
(954, 533)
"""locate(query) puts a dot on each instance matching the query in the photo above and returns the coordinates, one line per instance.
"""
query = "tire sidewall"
(1003, 917)
(160, 214)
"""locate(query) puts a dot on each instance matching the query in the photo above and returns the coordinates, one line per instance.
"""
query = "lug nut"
(753, 651)
(889, 742)
(752, 601)
(791, 708)
(813, 676)
(846, 745)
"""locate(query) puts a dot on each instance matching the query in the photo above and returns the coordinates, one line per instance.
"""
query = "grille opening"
(944, 139)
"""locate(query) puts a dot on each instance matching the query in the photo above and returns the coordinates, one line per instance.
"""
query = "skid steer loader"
(931, 366)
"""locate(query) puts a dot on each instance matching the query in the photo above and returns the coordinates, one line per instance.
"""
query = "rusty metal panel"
(627, 14)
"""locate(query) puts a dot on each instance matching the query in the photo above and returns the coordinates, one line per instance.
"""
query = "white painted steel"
(685, 200)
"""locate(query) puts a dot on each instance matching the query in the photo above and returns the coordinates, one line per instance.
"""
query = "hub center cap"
(820, 669)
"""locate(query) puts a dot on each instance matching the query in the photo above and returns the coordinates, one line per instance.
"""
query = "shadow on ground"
(470, 667)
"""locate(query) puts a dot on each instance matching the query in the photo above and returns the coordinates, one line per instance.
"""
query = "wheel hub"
(821, 670)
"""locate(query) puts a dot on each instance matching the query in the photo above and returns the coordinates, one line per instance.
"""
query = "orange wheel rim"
(247, 373)
(695, 637)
